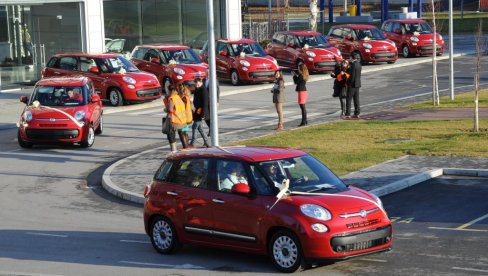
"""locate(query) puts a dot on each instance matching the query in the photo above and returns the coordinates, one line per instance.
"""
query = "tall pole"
(214, 126)
(270, 11)
(451, 52)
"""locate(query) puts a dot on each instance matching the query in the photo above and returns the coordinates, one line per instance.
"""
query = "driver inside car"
(72, 97)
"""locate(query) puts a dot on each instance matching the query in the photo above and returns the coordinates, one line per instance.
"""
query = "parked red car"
(312, 48)
(170, 63)
(61, 110)
(266, 200)
(364, 42)
(114, 77)
(242, 60)
(413, 36)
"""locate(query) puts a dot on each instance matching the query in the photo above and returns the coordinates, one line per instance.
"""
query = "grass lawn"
(347, 146)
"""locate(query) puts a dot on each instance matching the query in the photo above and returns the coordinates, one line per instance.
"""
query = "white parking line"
(46, 234)
(470, 269)
(183, 266)
(25, 273)
(374, 260)
(132, 241)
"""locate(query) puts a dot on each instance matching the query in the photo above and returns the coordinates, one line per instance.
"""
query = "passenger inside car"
(234, 174)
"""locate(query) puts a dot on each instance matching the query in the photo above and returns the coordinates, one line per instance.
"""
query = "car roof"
(63, 81)
(406, 21)
(301, 33)
(93, 55)
(355, 26)
(237, 41)
(243, 153)
(164, 46)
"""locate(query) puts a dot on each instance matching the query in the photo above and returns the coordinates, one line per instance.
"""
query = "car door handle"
(220, 201)
(172, 193)
(57, 73)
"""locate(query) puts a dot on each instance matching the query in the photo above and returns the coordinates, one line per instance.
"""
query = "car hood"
(54, 112)
(138, 76)
(330, 52)
(268, 60)
(379, 43)
(192, 68)
(428, 37)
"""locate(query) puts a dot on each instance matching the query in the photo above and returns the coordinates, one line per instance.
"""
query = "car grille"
(52, 134)
(429, 48)
(362, 223)
(263, 75)
(53, 125)
(263, 68)
(149, 92)
(361, 240)
(330, 64)
(384, 55)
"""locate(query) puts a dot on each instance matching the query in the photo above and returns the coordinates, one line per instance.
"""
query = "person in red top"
(73, 97)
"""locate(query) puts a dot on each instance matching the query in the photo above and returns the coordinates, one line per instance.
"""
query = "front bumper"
(380, 56)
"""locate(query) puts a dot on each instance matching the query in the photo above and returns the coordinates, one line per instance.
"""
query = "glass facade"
(132, 22)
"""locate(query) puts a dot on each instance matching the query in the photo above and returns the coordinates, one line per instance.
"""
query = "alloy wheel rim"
(162, 235)
(91, 136)
(285, 252)
(405, 51)
(114, 98)
(234, 77)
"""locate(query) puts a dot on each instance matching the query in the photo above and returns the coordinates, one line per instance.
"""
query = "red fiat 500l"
(295, 47)
(170, 63)
(413, 36)
(114, 77)
(364, 42)
(242, 60)
(61, 110)
(274, 201)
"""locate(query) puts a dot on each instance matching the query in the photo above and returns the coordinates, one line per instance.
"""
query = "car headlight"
(414, 39)
(338, 52)
(79, 115)
(367, 45)
(315, 211)
(275, 61)
(378, 200)
(27, 116)
(179, 71)
(440, 37)
(244, 63)
(310, 53)
(129, 80)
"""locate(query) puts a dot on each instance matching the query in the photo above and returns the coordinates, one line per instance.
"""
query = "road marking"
(472, 222)
(375, 260)
(46, 234)
(25, 273)
(456, 229)
(134, 241)
(470, 269)
(183, 266)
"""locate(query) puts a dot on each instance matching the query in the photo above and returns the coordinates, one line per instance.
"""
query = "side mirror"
(155, 60)
(95, 99)
(348, 37)
(224, 53)
(291, 45)
(24, 99)
(241, 188)
(94, 70)
(397, 31)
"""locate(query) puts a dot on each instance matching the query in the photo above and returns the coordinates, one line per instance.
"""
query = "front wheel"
(23, 143)
(90, 138)
(286, 252)
(99, 129)
(115, 97)
(234, 78)
(163, 236)
(406, 51)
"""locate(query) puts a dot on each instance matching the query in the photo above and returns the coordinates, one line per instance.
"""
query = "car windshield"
(117, 65)
(421, 28)
(313, 41)
(249, 49)
(305, 173)
(181, 56)
(59, 95)
(370, 34)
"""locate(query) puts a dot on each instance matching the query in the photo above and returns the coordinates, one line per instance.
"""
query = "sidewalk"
(127, 177)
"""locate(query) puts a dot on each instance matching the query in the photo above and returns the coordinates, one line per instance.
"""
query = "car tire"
(115, 97)
(163, 236)
(439, 54)
(234, 78)
(391, 62)
(406, 51)
(357, 55)
(22, 143)
(90, 138)
(166, 84)
(286, 252)
(99, 129)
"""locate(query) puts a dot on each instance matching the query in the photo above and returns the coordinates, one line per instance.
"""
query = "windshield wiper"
(321, 187)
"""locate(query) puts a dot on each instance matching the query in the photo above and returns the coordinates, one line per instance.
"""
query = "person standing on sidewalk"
(340, 84)
(300, 78)
(176, 113)
(279, 97)
(353, 83)
(185, 96)
(198, 107)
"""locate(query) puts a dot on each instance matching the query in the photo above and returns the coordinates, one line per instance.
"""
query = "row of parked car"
(152, 68)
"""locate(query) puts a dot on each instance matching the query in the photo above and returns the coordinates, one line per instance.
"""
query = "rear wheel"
(90, 138)
(115, 97)
(163, 236)
(234, 78)
(286, 251)
(406, 51)
(23, 143)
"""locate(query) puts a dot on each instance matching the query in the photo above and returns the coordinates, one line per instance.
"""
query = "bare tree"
(479, 53)
(313, 15)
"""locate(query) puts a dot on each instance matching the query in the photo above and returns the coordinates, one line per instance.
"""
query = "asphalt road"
(57, 220)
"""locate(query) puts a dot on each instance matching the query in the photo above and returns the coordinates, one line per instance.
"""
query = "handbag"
(166, 125)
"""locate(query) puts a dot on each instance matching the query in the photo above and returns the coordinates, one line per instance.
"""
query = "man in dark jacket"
(354, 83)
(200, 111)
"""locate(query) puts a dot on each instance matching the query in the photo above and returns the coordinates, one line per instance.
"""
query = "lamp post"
(214, 126)
(451, 52)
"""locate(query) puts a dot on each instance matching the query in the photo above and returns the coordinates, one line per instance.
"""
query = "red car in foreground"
(365, 42)
(312, 48)
(114, 77)
(61, 110)
(413, 37)
(242, 60)
(170, 63)
(274, 201)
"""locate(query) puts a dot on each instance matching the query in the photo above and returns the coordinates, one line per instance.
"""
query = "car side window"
(53, 63)
(68, 63)
(191, 173)
(279, 38)
(337, 32)
(151, 54)
(139, 53)
(87, 63)
(262, 186)
(229, 173)
(397, 26)
(90, 90)
(386, 27)
(163, 171)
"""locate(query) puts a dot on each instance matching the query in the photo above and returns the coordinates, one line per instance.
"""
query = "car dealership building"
(33, 30)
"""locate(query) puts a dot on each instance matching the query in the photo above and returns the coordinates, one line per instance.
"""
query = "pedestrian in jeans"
(176, 113)
(353, 83)
(279, 97)
(198, 112)
(300, 78)
(185, 95)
